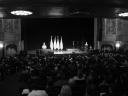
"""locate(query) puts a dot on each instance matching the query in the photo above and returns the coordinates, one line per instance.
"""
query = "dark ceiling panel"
(71, 8)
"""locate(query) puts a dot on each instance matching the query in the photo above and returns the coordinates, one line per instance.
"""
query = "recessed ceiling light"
(21, 12)
(56, 11)
(125, 14)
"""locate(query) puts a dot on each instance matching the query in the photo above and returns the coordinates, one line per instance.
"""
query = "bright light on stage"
(21, 13)
(59, 52)
(44, 46)
(125, 14)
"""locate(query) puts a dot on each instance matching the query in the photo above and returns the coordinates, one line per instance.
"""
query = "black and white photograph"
(63, 48)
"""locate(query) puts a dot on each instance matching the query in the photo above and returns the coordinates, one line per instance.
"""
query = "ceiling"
(67, 8)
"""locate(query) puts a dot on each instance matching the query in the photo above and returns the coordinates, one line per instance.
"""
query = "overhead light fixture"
(56, 11)
(125, 14)
(21, 12)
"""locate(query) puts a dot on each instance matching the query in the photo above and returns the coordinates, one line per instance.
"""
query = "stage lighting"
(125, 14)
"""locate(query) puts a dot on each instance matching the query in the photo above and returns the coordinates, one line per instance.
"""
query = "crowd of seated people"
(99, 73)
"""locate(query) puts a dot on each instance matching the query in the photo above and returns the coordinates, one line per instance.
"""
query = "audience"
(98, 73)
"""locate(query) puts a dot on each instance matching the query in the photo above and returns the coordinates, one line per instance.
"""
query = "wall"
(114, 30)
(10, 32)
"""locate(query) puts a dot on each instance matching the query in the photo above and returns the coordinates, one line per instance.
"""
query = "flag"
(51, 44)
